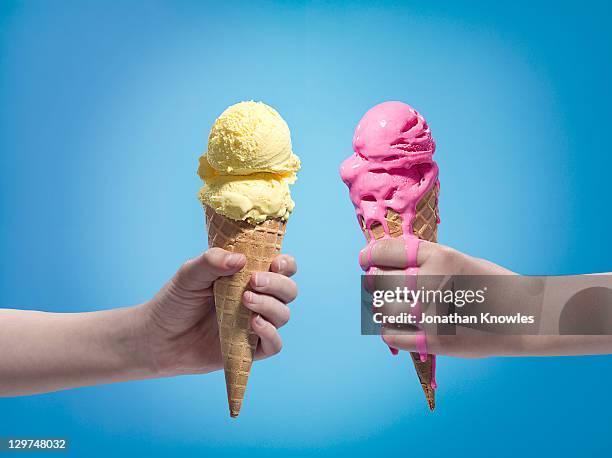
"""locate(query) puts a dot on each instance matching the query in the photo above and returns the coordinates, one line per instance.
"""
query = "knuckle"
(381, 250)
(293, 291)
(214, 255)
(285, 317)
(267, 305)
(185, 268)
(210, 253)
(292, 264)
(385, 251)
(208, 256)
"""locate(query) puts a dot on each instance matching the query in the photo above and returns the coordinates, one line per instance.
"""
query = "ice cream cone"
(425, 227)
(260, 243)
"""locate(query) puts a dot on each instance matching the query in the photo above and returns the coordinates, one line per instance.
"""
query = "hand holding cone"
(260, 243)
(425, 227)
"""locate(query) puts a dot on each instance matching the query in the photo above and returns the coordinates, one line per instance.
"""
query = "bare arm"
(174, 333)
(51, 351)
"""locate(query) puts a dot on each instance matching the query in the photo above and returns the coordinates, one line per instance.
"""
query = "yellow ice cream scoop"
(249, 164)
(255, 197)
(251, 137)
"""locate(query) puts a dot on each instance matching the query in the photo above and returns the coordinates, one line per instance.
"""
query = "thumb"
(199, 273)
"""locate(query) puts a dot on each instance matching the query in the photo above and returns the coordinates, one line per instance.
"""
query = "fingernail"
(250, 297)
(261, 280)
(259, 320)
(234, 260)
(282, 265)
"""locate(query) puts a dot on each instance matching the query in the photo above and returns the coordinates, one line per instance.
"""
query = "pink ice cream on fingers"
(392, 168)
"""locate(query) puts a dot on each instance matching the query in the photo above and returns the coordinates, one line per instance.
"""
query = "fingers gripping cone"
(260, 244)
(425, 227)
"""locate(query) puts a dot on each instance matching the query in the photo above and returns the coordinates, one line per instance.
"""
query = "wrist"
(154, 350)
(134, 342)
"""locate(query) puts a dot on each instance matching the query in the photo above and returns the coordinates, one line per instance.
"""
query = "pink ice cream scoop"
(391, 130)
(392, 169)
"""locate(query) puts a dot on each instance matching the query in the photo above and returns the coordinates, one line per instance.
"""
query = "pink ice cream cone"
(393, 184)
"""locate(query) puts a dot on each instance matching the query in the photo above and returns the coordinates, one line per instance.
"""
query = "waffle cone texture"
(425, 227)
(260, 243)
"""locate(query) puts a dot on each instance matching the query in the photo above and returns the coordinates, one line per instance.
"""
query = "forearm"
(41, 352)
(566, 345)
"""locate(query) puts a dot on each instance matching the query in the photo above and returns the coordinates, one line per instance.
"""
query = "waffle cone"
(260, 244)
(425, 227)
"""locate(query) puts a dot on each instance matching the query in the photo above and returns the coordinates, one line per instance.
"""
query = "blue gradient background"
(105, 107)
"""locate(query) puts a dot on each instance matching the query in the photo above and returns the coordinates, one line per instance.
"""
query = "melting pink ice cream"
(392, 168)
